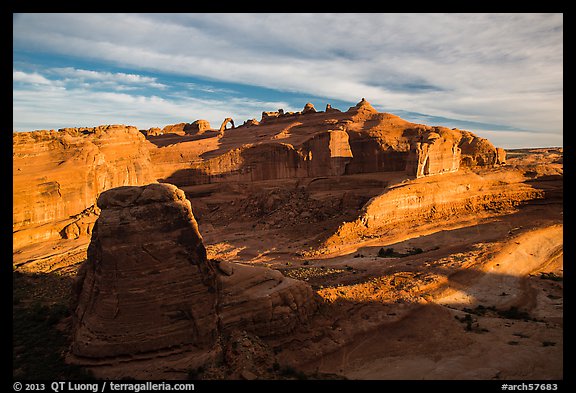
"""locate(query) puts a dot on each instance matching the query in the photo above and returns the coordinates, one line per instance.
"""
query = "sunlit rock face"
(59, 174)
(310, 143)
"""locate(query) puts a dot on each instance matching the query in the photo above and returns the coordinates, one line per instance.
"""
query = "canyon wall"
(59, 174)
(324, 154)
(333, 143)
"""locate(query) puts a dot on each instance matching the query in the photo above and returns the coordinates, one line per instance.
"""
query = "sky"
(497, 75)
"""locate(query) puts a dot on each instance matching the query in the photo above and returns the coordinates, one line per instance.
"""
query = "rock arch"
(225, 123)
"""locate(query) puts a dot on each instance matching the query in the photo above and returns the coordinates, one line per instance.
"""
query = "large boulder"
(147, 288)
(198, 127)
(308, 108)
(146, 284)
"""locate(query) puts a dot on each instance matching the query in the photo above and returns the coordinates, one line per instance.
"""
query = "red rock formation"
(308, 108)
(425, 201)
(327, 154)
(154, 131)
(362, 107)
(225, 123)
(267, 116)
(198, 127)
(251, 122)
(478, 151)
(286, 145)
(148, 290)
(330, 109)
(184, 128)
(59, 174)
(145, 285)
(438, 152)
(262, 301)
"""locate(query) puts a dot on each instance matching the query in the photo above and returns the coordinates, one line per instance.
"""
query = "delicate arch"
(225, 123)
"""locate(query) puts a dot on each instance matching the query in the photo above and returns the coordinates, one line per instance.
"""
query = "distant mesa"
(299, 145)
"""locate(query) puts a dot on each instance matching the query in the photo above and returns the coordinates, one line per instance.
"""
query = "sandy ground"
(432, 341)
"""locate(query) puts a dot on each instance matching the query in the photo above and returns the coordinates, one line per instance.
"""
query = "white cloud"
(30, 78)
(81, 105)
(494, 68)
(112, 79)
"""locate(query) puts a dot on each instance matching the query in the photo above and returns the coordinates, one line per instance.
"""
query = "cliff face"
(479, 151)
(431, 200)
(59, 174)
(437, 152)
(325, 154)
(314, 144)
(328, 154)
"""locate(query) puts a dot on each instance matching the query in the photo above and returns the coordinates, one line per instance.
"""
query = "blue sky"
(497, 75)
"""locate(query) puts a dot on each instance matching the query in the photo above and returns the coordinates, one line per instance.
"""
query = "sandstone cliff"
(431, 200)
(59, 174)
(331, 143)
(148, 290)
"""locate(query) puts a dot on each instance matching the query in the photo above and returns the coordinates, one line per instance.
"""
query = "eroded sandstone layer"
(309, 143)
(393, 226)
(147, 289)
(421, 201)
(59, 174)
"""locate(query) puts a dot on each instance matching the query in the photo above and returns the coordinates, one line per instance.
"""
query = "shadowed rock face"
(147, 287)
(146, 284)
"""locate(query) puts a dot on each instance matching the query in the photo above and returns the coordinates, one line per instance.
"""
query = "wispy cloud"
(68, 102)
(112, 79)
